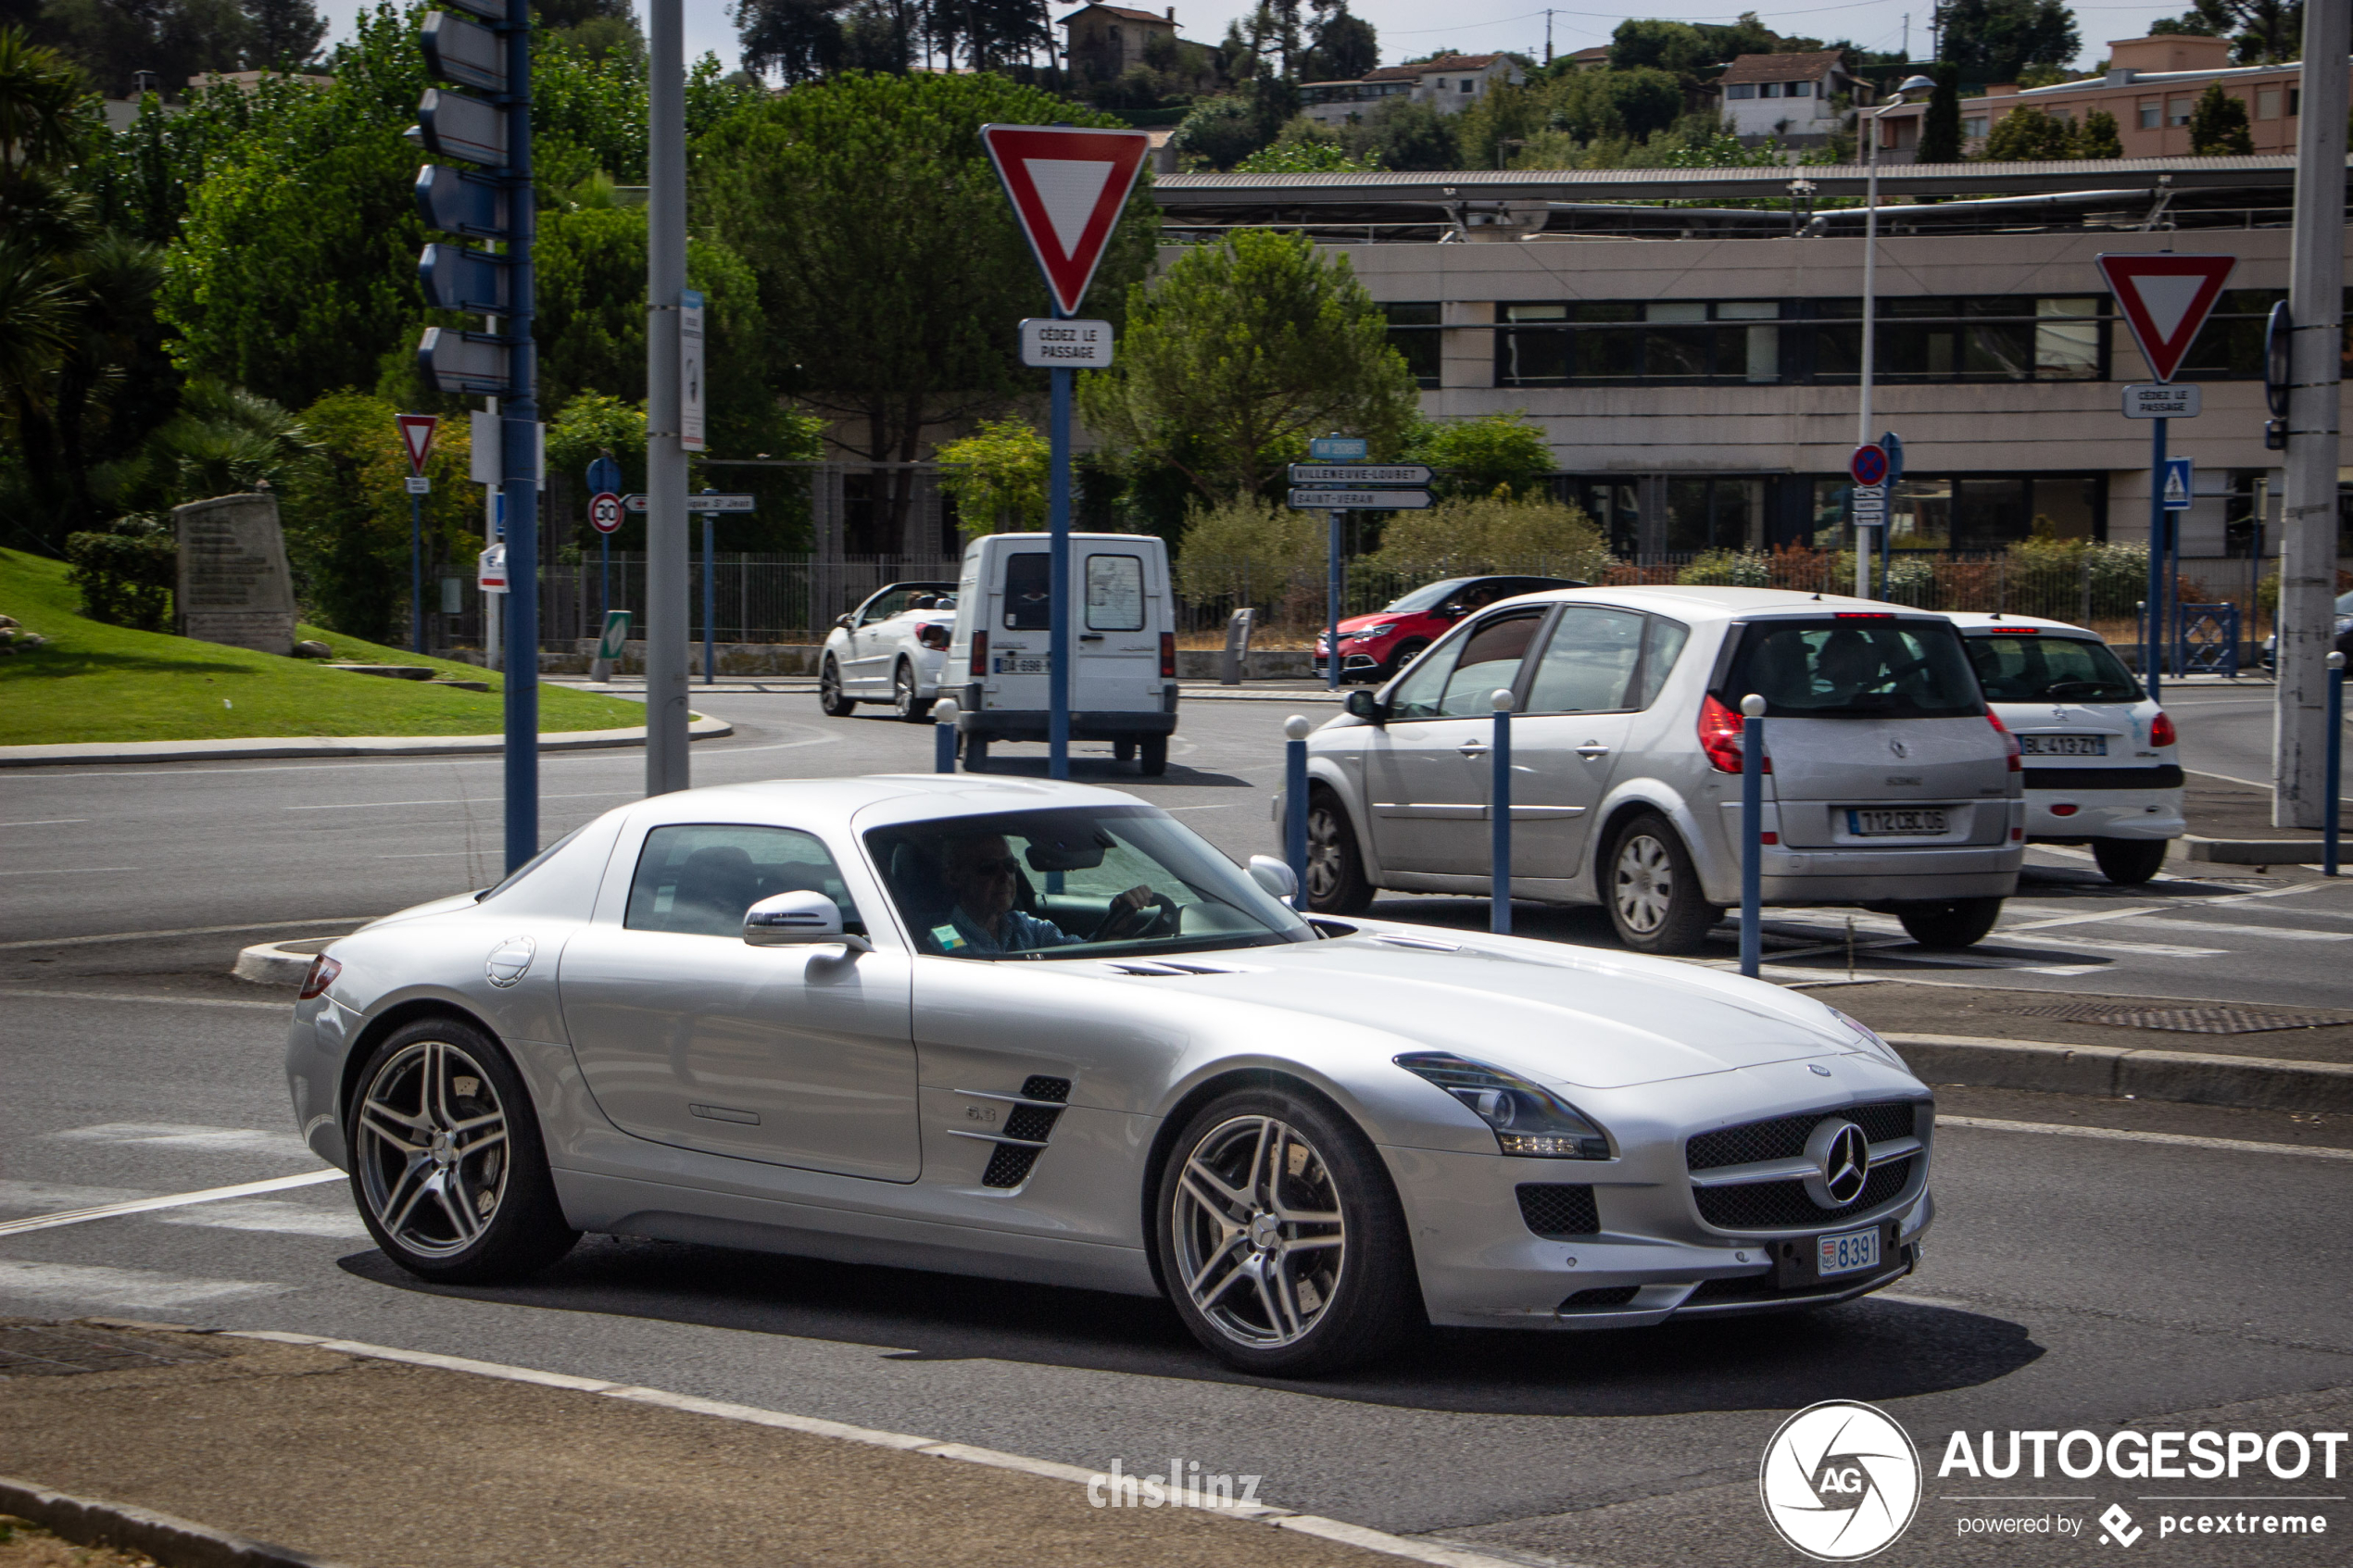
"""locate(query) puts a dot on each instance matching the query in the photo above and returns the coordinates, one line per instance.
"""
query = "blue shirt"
(1023, 934)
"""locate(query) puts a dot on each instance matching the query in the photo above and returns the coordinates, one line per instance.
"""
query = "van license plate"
(1910, 822)
(1022, 664)
(1845, 1254)
(2063, 745)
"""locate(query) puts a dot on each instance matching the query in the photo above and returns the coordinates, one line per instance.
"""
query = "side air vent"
(1029, 1124)
(1037, 1086)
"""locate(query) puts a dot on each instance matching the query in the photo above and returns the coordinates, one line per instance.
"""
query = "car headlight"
(1529, 1121)
(1868, 1039)
(1381, 630)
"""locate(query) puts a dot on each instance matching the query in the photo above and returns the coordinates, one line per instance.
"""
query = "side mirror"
(847, 622)
(1363, 704)
(1274, 877)
(800, 919)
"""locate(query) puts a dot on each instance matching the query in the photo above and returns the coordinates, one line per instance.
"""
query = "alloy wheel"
(1646, 884)
(1327, 864)
(1260, 1241)
(432, 1148)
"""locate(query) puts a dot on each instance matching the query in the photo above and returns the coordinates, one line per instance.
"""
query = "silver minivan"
(1890, 785)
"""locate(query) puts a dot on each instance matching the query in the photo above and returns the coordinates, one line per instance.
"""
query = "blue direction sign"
(457, 202)
(2179, 480)
(1893, 445)
(1336, 449)
(465, 362)
(455, 125)
(604, 474)
(459, 279)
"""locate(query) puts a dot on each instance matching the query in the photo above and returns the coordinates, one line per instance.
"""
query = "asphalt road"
(2072, 1281)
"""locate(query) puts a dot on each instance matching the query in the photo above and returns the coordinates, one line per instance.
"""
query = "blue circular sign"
(1868, 466)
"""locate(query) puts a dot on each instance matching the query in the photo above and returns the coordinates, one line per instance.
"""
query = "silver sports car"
(1044, 1031)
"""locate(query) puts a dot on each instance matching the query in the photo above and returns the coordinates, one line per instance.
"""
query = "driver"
(982, 875)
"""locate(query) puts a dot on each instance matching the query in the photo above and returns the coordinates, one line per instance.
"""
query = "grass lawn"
(92, 682)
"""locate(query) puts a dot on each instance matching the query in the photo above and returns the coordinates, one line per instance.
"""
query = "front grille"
(1558, 1209)
(1008, 1167)
(1609, 1296)
(1784, 1137)
(1782, 1206)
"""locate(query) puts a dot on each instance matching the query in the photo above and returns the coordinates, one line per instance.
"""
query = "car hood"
(1358, 622)
(1575, 1017)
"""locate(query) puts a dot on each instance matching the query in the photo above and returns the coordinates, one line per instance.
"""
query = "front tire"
(2130, 861)
(829, 692)
(447, 1162)
(1949, 923)
(1656, 900)
(1282, 1245)
(1335, 881)
(1406, 652)
(910, 708)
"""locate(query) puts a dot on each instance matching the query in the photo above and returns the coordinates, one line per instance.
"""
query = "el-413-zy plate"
(2062, 745)
(1896, 821)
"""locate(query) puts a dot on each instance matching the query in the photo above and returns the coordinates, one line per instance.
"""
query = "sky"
(1411, 28)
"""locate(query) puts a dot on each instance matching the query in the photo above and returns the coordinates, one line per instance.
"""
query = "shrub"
(126, 574)
(1728, 568)
(1495, 533)
(1248, 550)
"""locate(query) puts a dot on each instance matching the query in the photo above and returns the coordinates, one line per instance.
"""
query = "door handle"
(1474, 749)
(1591, 750)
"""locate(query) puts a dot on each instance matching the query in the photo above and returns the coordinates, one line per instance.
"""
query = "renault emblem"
(1841, 1160)
(1899, 748)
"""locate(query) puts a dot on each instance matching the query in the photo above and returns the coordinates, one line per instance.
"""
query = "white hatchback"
(890, 648)
(2100, 764)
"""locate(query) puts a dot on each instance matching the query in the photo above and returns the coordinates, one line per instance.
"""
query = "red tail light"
(1720, 736)
(980, 654)
(324, 970)
(934, 633)
(2162, 729)
(1168, 654)
(2007, 739)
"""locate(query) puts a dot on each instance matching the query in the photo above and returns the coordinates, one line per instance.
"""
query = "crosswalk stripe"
(170, 1200)
(139, 1289)
(199, 1139)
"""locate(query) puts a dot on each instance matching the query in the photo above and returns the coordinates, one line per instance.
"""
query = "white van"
(1123, 685)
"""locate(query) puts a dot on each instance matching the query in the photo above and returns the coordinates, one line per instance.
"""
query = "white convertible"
(891, 649)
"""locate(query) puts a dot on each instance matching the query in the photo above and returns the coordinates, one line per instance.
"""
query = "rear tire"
(1151, 755)
(1950, 923)
(1336, 882)
(1654, 896)
(976, 755)
(910, 708)
(1123, 751)
(829, 692)
(2130, 861)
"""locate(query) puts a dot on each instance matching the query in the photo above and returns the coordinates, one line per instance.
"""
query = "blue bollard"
(943, 735)
(2331, 809)
(1499, 813)
(1751, 833)
(1295, 803)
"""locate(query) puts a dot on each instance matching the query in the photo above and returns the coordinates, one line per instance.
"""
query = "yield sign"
(1068, 186)
(2164, 300)
(416, 434)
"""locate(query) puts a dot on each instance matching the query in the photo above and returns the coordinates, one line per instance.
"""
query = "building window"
(1972, 338)
(2267, 103)
(1973, 126)
(2149, 108)
(1740, 90)
(1467, 84)
(2295, 101)
(1969, 512)
(1801, 89)
(1668, 342)
(1768, 89)
(1413, 332)
(2177, 111)
(1441, 84)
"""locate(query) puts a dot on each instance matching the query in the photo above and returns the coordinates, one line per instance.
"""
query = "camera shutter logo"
(1840, 1481)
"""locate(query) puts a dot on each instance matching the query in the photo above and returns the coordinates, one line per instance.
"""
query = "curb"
(177, 1543)
(2260, 851)
(332, 746)
(2116, 1073)
(279, 963)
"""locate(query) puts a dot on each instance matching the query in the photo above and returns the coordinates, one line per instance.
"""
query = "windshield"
(1084, 882)
(1429, 596)
(2051, 670)
(1853, 665)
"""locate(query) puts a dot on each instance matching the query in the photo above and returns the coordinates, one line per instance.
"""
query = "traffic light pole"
(666, 594)
(518, 462)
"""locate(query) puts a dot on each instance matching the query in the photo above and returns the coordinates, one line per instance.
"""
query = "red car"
(1378, 646)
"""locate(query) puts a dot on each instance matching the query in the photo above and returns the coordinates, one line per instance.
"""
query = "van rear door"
(1020, 626)
(1121, 612)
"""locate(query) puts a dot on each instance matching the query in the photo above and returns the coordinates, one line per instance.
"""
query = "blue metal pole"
(2153, 638)
(1751, 833)
(416, 573)
(604, 575)
(943, 735)
(2331, 807)
(1332, 588)
(1295, 802)
(519, 453)
(1058, 528)
(1499, 813)
(709, 600)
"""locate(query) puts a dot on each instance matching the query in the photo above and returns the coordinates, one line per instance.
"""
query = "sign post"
(1868, 469)
(416, 437)
(604, 516)
(2164, 300)
(1339, 482)
(1068, 187)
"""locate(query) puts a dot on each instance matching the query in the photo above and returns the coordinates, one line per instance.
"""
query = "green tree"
(1405, 134)
(1240, 351)
(1484, 454)
(2260, 31)
(1218, 132)
(1489, 533)
(1941, 124)
(346, 513)
(999, 479)
(1677, 48)
(2218, 126)
(1996, 40)
(895, 316)
(2028, 136)
(1306, 156)
(1345, 46)
(2099, 137)
(1499, 124)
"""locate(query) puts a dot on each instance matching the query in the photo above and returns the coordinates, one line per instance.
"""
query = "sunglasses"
(1008, 866)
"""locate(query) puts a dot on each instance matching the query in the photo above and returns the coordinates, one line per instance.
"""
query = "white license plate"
(2063, 745)
(1845, 1254)
(1016, 664)
(1905, 821)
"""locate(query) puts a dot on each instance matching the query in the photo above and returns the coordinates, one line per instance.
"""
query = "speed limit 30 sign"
(604, 511)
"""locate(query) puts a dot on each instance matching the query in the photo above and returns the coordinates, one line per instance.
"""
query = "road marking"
(49, 1197)
(45, 822)
(280, 1219)
(208, 1140)
(455, 800)
(438, 855)
(72, 870)
(2181, 1140)
(143, 1289)
(169, 1201)
(186, 930)
(136, 997)
(2279, 933)
(2078, 919)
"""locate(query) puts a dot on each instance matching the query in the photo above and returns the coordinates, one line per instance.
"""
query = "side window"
(1114, 592)
(1460, 688)
(699, 878)
(1662, 646)
(1028, 592)
(1588, 661)
(882, 608)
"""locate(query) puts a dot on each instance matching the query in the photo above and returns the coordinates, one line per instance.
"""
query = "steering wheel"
(1160, 917)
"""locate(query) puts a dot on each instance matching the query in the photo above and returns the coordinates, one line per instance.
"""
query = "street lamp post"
(1871, 302)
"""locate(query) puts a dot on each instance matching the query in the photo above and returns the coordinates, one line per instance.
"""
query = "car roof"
(1986, 623)
(1697, 602)
(868, 800)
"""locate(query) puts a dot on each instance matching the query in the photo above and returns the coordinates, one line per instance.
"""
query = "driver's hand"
(1134, 899)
